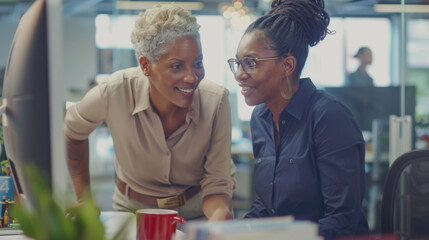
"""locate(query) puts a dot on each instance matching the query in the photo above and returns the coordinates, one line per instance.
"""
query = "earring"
(289, 87)
(145, 72)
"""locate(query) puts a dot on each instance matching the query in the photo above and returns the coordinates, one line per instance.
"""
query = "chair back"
(405, 201)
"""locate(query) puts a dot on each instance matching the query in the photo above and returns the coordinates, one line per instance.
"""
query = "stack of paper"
(252, 229)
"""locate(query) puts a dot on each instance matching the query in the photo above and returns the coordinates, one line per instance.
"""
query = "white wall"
(80, 54)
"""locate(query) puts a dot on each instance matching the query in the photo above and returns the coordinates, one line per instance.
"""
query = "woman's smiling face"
(262, 86)
(176, 75)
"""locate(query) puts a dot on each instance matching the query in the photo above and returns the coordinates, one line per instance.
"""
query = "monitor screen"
(31, 133)
(368, 103)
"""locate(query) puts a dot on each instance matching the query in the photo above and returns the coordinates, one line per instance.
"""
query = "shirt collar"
(142, 101)
(298, 102)
(296, 106)
(141, 93)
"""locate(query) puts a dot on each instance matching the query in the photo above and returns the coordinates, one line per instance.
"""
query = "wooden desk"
(111, 220)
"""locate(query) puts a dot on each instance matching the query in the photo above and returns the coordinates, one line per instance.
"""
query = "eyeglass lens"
(247, 64)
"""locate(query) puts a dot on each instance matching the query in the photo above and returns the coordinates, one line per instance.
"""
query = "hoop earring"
(289, 87)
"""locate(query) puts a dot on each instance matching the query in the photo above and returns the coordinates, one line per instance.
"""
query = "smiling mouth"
(247, 91)
(186, 90)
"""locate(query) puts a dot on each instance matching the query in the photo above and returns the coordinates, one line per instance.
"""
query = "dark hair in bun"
(292, 26)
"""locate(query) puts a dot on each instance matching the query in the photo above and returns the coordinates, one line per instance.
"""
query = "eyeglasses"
(247, 63)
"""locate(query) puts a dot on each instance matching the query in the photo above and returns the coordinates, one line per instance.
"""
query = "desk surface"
(111, 221)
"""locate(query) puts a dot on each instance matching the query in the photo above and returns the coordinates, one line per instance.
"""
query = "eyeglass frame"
(232, 61)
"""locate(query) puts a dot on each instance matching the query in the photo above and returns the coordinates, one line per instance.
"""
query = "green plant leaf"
(47, 221)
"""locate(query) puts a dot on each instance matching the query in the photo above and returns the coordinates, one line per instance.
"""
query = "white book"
(275, 228)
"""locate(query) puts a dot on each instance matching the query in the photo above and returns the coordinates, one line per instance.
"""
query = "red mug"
(157, 224)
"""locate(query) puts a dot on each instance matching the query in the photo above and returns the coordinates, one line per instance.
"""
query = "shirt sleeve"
(83, 117)
(257, 210)
(340, 160)
(217, 179)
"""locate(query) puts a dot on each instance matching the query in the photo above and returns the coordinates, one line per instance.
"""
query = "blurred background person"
(361, 77)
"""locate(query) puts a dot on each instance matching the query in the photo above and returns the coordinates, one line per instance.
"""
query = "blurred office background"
(96, 42)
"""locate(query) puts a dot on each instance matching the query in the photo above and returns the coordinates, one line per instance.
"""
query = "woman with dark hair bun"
(309, 151)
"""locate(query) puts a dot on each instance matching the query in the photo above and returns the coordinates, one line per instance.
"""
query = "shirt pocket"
(263, 176)
(296, 182)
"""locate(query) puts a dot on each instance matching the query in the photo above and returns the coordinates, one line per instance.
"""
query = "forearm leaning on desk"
(217, 207)
(78, 166)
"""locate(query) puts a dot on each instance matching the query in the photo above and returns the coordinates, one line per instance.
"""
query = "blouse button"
(272, 210)
(168, 153)
(271, 183)
(283, 121)
(291, 160)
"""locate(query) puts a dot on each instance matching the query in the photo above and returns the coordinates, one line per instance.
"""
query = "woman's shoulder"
(326, 102)
(123, 76)
(125, 80)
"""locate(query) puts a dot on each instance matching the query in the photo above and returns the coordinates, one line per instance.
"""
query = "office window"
(212, 36)
(325, 63)
(418, 69)
(374, 33)
(332, 59)
(114, 31)
(417, 43)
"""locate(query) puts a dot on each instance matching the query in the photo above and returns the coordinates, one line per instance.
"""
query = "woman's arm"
(340, 161)
(78, 166)
(218, 207)
(217, 184)
(80, 120)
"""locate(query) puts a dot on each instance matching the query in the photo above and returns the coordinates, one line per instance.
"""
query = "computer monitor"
(368, 103)
(33, 99)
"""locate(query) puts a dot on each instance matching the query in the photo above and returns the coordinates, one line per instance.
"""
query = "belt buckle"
(171, 202)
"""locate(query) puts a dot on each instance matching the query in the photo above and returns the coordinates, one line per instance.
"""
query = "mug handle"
(180, 220)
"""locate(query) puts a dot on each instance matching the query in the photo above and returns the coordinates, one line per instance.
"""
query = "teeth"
(245, 88)
(186, 90)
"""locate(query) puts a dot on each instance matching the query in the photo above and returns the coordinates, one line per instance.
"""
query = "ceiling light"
(135, 5)
(409, 8)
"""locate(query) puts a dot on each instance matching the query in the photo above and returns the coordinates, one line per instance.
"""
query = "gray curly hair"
(158, 26)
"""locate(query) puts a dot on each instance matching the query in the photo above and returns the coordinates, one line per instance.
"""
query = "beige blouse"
(197, 153)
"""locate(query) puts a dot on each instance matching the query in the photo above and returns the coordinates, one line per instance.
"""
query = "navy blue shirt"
(318, 171)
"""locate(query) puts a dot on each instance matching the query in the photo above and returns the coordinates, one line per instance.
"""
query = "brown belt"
(167, 202)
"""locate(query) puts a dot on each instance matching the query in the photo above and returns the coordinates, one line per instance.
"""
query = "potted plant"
(47, 221)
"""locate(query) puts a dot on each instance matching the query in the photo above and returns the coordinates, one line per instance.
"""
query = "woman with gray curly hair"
(171, 129)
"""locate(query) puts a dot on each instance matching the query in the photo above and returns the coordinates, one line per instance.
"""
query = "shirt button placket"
(168, 159)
